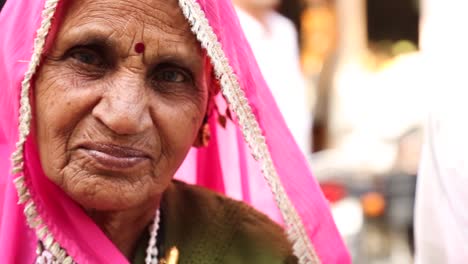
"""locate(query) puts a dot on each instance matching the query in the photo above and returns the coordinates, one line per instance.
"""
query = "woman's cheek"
(56, 116)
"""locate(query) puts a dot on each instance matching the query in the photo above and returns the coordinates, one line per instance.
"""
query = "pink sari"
(277, 182)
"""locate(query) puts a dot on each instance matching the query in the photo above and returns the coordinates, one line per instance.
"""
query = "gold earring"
(205, 135)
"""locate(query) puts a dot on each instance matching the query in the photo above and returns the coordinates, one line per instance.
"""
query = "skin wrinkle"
(160, 17)
(133, 39)
(121, 100)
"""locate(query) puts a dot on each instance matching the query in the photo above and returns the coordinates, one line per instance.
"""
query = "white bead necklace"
(152, 249)
(46, 257)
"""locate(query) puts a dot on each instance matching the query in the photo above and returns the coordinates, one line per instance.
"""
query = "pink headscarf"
(279, 173)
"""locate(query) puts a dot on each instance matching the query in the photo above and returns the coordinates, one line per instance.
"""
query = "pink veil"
(277, 182)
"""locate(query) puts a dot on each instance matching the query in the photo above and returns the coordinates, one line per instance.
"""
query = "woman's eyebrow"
(93, 40)
(186, 60)
(186, 53)
(85, 37)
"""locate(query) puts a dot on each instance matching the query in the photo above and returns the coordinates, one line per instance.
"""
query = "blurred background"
(361, 62)
(361, 107)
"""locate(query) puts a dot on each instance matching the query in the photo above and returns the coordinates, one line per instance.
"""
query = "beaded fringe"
(49, 251)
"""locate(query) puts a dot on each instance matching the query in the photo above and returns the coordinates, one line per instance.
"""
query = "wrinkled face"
(119, 101)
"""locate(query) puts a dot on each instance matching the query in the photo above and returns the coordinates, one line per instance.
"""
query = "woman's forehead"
(123, 22)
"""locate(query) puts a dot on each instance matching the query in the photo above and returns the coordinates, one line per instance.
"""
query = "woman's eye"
(86, 57)
(171, 76)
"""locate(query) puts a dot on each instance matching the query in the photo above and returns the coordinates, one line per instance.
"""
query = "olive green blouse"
(208, 228)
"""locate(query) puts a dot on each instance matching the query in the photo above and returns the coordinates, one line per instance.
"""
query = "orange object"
(373, 204)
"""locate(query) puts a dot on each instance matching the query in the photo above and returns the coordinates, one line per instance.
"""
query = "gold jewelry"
(206, 135)
(172, 257)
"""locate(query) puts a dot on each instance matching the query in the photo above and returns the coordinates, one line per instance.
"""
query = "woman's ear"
(204, 134)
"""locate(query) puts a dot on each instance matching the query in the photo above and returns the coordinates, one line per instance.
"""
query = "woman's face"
(119, 100)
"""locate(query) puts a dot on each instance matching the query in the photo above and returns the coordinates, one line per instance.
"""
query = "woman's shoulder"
(226, 230)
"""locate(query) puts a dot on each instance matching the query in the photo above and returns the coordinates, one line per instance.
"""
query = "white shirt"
(277, 54)
(441, 221)
(441, 217)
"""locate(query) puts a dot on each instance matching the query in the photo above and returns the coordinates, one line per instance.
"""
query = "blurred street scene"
(369, 111)
(366, 104)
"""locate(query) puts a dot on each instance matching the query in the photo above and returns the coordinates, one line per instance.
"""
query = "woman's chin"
(108, 194)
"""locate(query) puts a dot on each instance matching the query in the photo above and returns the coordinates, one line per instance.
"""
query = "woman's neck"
(124, 228)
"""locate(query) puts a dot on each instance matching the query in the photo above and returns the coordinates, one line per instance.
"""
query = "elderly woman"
(101, 102)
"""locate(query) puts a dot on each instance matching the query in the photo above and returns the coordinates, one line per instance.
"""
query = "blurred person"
(441, 215)
(367, 114)
(273, 39)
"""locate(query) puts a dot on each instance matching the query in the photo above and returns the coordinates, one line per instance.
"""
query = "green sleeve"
(258, 240)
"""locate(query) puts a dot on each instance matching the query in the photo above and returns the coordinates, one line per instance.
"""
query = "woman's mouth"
(115, 157)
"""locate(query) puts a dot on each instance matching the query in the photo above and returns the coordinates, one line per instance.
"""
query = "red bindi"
(139, 48)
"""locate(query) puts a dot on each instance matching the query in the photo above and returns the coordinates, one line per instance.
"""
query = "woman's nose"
(124, 107)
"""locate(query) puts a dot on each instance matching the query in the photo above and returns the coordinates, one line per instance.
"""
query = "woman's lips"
(115, 157)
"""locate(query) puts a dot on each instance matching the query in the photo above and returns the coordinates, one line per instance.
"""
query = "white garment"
(276, 50)
(441, 216)
(375, 112)
(441, 219)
